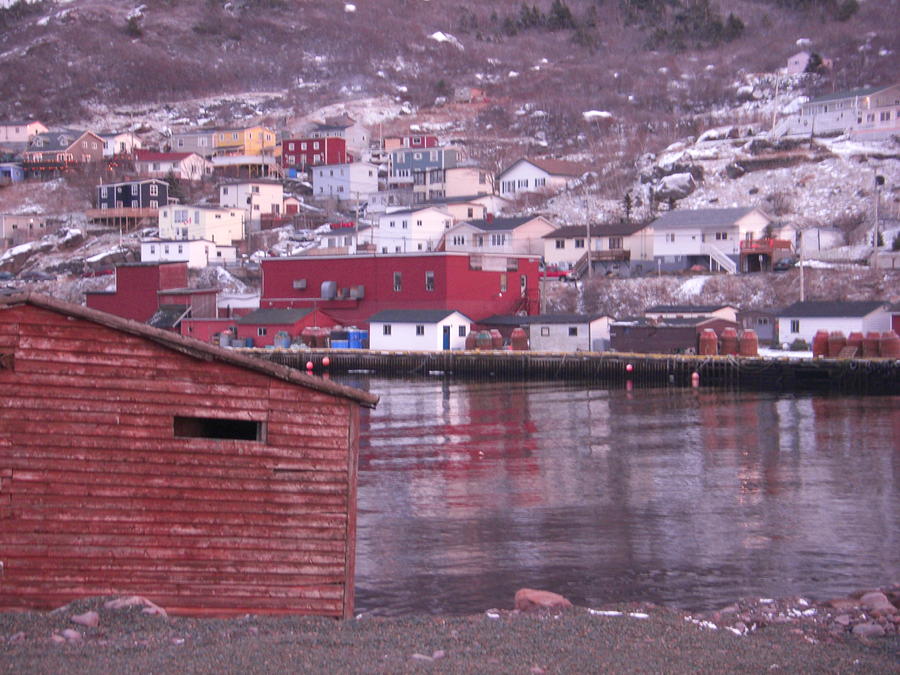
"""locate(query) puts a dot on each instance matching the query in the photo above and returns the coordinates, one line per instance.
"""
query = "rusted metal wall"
(98, 496)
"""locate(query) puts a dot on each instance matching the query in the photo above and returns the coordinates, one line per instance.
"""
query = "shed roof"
(500, 224)
(189, 346)
(701, 217)
(554, 167)
(850, 93)
(154, 156)
(832, 308)
(516, 320)
(411, 315)
(274, 316)
(611, 230)
(687, 309)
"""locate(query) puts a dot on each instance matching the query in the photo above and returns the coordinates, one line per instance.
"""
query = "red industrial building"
(350, 289)
(300, 153)
(135, 461)
(145, 290)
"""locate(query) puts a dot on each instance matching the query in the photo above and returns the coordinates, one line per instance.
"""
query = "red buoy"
(629, 368)
(326, 362)
(695, 379)
(309, 365)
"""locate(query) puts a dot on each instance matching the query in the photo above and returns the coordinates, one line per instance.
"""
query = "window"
(459, 240)
(429, 281)
(503, 281)
(615, 242)
(154, 204)
(462, 331)
(386, 329)
(180, 248)
(498, 240)
(398, 281)
(573, 331)
(404, 224)
(795, 325)
(539, 182)
(545, 331)
(261, 331)
(670, 238)
(579, 243)
(721, 236)
(154, 189)
(560, 243)
(103, 192)
(470, 213)
(420, 330)
(218, 429)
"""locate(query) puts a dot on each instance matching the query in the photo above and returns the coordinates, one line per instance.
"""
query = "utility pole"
(800, 262)
(590, 271)
(879, 181)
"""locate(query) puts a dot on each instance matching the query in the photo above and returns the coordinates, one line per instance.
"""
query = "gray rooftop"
(529, 320)
(274, 316)
(832, 309)
(411, 315)
(700, 217)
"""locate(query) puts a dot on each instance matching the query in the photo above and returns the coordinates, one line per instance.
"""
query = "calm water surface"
(471, 490)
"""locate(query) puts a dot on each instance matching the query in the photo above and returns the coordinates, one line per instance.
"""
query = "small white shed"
(418, 330)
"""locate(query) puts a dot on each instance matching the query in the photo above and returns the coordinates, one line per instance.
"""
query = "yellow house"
(256, 140)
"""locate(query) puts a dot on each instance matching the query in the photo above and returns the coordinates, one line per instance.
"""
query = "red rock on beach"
(528, 599)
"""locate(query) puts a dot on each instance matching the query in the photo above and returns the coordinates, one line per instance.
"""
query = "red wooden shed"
(137, 461)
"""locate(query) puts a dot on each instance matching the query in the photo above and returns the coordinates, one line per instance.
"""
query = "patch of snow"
(604, 612)
(17, 251)
(349, 8)
(512, 73)
(103, 255)
(691, 287)
(589, 115)
(439, 36)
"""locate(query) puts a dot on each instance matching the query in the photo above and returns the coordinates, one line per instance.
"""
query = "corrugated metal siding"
(98, 497)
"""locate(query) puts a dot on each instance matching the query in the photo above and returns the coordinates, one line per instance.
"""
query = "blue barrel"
(355, 338)
(364, 339)
(282, 340)
(340, 344)
(248, 342)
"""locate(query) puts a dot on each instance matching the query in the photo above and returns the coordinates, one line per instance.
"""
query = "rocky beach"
(542, 634)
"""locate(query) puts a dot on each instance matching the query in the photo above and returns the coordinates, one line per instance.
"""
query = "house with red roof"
(182, 165)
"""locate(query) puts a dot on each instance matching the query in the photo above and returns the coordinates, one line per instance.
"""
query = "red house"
(262, 325)
(350, 289)
(134, 461)
(300, 153)
(143, 289)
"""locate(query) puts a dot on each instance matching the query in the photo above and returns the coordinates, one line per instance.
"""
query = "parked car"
(785, 264)
(34, 275)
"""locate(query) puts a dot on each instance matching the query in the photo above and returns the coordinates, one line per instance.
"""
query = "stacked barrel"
(872, 345)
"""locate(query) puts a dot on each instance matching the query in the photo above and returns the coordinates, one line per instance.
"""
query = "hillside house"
(384, 200)
(871, 113)
(300, 154)
(256, 198)
(423, 330)
(802, 320)
(619, 249)
(353, 288)
(409, 230)
(347, 182)
(150, 193)
(556, 332)
(240, 141)
(182, 165)
(197, 253)
(59, 150)
(405, 163)
(204, 480)
(538, 175)
(120, 143)
(20, 131)
(518, 235)
(220, 225)
(460, 181)
(355, 135)
(389, 143)
(197, 141)
(11, 172)
(710, 238)
(18, 228)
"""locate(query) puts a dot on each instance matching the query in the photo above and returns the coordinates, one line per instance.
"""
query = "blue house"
(408, 163)
(11, 172)
(150, 193)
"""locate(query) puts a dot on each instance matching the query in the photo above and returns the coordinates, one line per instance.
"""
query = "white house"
(410, 230)
(122, 143)
(523, 234)
(868, 113)
(255, 197)
(460, 181)
(418, 330)
(182, 165)
(20, 132)
(803, 320)
(559, 332)
(617, 247)
(197, 253)
(352, 182)
(216, 224)
(538, 175)
(707, 237)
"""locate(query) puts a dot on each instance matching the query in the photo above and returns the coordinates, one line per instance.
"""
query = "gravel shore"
(617, 639)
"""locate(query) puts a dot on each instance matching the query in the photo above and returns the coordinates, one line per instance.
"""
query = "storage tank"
(836, 342)
(729, 341)
(820, 344)
(889, 345)
(518, 339)
(870, 345)
(225, 338)
(484, 341)
(471, 340)
(749, 343)
(496, 339)
(709, 342)
(329, 290)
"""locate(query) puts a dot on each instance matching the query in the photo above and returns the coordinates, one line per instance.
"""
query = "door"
(446, 337)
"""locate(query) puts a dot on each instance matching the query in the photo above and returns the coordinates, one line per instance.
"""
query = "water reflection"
(470, 490)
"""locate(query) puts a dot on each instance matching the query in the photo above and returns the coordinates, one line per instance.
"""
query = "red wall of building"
(204, 329)
(475, 293)
(135, 296)
(313, 319)
(331, 150)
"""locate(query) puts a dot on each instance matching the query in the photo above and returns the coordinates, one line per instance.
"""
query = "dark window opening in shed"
(220, 429)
